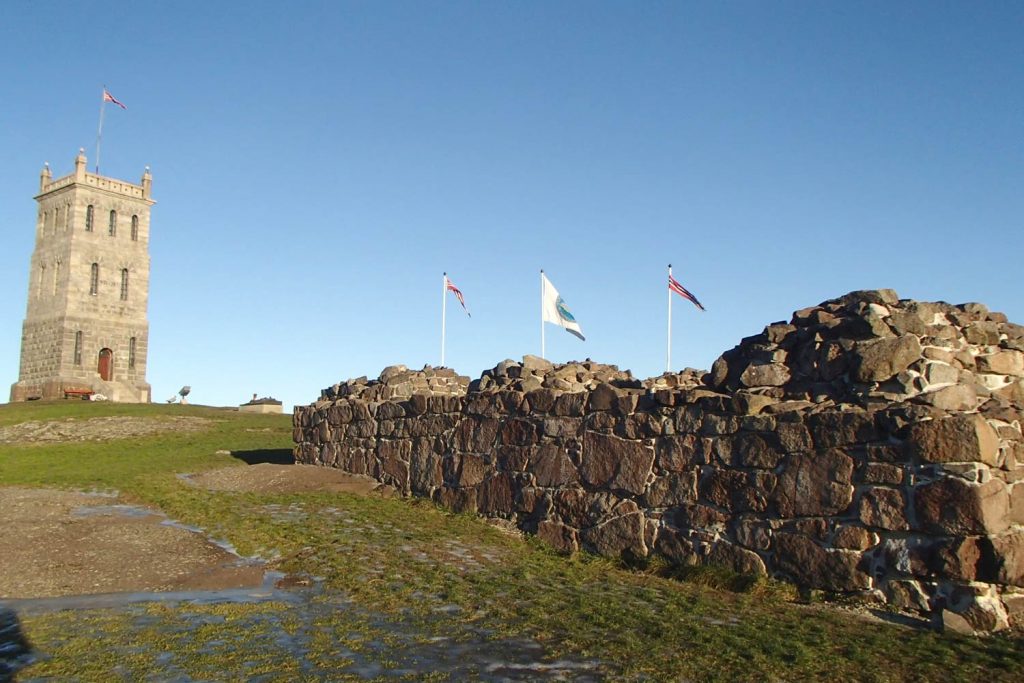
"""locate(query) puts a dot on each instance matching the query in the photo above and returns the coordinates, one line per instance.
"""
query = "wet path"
(270, 634)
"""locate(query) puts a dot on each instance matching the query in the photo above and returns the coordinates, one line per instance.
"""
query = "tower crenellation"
(86, 327)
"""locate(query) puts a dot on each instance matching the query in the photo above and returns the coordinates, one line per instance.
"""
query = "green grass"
(411, 562)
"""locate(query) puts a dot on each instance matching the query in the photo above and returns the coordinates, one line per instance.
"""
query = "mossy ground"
(416, 573)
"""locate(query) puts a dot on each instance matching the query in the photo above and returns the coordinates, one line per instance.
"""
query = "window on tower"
(135, 228)
(78, 348)
(131, 352)
(94, 279)
(88, 218)
(124, 284)
(112, 226)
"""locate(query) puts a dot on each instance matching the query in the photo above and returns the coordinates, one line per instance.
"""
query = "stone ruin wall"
(869, 446)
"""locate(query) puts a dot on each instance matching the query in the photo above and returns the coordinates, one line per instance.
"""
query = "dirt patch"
(59, 543)
(268, 478)
(98, 429)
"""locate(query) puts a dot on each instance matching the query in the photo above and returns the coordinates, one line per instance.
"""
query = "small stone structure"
(869, 446)
(265, 405)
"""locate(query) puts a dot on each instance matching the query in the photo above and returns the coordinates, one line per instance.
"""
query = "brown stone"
(746, 403)
(552, 467)
(906, 594)
(424, 471)
(834, 428)
(541, 400)
(814, 484)
(850, 537)
(733, 490)
(794, 437)
(813, 566)
(950, 505)
(614, 463)
(737, 559)
(672, 489)
(1017, 503)
(603, 397)
(619, 536)
(956, 397)
(472, 471)
(765, 375)
(883, 508)
(562, 427)
(960, 438)
(559, 536)
(1008, 550)
(518, 432)
(699, 516)
(675, 453)
(512, 458)
(497, 494)
(752, 533)
(881, 473)
(674, 545)
(570, 405)
(457, 500)
(879, 359)
(756, 450)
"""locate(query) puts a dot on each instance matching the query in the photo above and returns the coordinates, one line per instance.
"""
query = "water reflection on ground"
(273, 632)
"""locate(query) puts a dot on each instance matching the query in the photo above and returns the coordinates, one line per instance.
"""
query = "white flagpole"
(668, 353)
(444, 311)
(542, 293)
(99, 131)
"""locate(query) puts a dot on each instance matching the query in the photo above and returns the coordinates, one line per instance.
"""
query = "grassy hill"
(413, 566)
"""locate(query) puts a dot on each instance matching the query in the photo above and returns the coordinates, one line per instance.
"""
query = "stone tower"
(85, 328)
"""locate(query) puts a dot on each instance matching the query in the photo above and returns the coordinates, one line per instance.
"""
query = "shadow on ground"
(274, 456)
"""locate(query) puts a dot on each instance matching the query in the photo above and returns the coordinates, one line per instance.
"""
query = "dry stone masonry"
(869, 446)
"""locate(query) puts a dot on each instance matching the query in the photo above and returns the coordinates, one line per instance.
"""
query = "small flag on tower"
(107, 97)
(458, 294)
(674, 286)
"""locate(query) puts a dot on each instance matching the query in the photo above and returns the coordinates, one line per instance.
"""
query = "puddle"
(305, 633)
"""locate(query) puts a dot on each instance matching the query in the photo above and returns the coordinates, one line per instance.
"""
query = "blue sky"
(318, 165)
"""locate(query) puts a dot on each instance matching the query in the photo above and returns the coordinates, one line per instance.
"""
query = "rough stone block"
(615, 463)
(811, 565)
(883, 508)
(950, 505)
(672, 489)
(619, 536)
(960, 438)
(737, 559)
(559, 536)
(814, 484)
(880, 359)
(552, 467)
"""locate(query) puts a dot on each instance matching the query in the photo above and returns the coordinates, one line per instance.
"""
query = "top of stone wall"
(868, 349)
(871, 348)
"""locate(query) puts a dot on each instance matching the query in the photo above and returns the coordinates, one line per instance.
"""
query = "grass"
(410, 568)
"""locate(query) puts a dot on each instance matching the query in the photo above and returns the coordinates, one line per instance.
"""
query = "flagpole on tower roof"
(99, 131)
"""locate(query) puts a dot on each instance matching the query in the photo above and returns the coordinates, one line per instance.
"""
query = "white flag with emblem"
(555, 311)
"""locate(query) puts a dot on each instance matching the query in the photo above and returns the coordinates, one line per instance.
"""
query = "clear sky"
(318, 165)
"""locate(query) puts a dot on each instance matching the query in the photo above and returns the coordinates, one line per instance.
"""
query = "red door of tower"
(106, 365)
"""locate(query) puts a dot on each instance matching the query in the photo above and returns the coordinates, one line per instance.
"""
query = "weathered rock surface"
(868, 444)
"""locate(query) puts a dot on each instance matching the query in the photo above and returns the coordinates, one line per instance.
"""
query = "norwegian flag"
(450, 286)
(107, 97)
(674, 286)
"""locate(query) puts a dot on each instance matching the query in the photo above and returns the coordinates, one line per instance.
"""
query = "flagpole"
(444, 311)
(668, 352)
(99, 131)
(542, 313)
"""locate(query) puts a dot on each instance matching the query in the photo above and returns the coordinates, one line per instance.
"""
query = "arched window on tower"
(56, 276)
(67, 216)
(88, 218)
(135, 228)
(42, 280)
(94, 279)
(78, 348)
(56, 217)
(131, 352)
(124, 284)
(112, 226)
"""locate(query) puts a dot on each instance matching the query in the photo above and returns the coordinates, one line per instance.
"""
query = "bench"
(83, 394)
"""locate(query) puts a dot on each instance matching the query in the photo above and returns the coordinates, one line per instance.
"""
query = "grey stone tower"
(85, 327)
